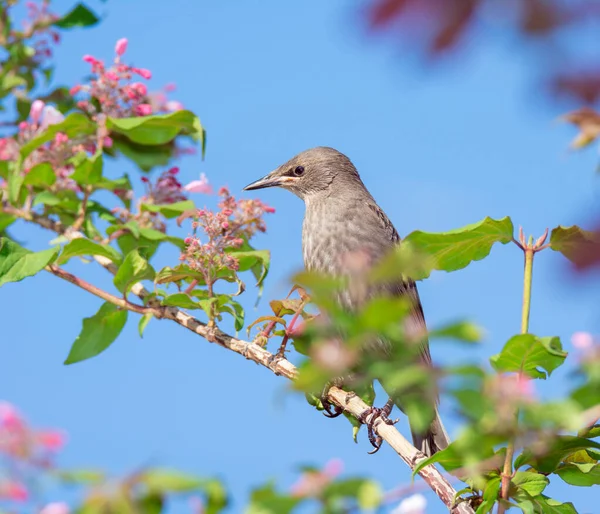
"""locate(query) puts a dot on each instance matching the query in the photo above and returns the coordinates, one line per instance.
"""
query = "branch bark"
(278, 365)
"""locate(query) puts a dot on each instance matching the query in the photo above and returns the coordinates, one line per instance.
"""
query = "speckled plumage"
(344, 229)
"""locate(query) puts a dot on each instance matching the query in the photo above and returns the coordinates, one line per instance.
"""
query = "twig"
(100, 293)
(352, 404)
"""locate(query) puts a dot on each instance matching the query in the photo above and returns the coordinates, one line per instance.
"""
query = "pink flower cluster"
(312, 483)
(236, 221)
(25, 449)
(166, 190)
(115, 92)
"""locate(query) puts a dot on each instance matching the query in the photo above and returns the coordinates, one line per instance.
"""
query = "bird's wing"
(415, 322)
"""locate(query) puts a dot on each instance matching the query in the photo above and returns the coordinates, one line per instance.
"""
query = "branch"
(100, 293)
(280, 366)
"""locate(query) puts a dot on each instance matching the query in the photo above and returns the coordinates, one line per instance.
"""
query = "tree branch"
(280, 366)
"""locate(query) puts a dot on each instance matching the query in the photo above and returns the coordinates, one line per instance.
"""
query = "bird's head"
(310, 173)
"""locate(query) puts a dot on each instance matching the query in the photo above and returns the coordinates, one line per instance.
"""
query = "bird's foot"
(372, 417)
(330, 410)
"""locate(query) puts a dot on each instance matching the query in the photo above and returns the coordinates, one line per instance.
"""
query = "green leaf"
(79, 16)
(15, 182)
(133, 269)
(574, 243)
(81, 476)
(536, 357)
(81, 246)
(171, 210)
(144, 320)
(74, 125)
(236, 310)
(146, 157)
(555, 452)
(266, 500)
(583, 475)
(41, 174)
(256, 260)
(456, 249)
(182, 300)
(6, 220)
(88, 172)
(98, 333)
(532, 482)
(370, 495)
(18, 263)
(461, 331)
(157, 129)
(170, 481)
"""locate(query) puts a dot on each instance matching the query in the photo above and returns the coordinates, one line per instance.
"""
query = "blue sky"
(438, 148)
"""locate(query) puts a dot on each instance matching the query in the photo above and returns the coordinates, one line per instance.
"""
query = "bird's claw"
(370, 417)
(330, 410)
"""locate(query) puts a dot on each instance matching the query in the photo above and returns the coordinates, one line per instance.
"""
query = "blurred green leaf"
(15, 183)
(133, 269)
(171, 210)
(98, 333)
(573, 242)
(461, 331)
(79, 16)
(529, 481)
(6, 220)
(74, 125)
(536, 357)
(266, 500)
(81, 476)
(256, 260)
(81, 246)
(167, 481)
(151, 503)
(144, 320)
(554, 453)
(88, 171)
(18, 263)
(583, 475)
(157, 129)
(41, 174)
(456, 249)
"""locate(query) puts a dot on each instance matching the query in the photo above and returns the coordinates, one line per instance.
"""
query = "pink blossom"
(9, 416)
(56, 508)
(61, 138)
(74, 90)
(121, 46)
(36, 110)
(170, 87)
(333, 468)
(23, 125)
(199, 186)
(139, 88)
(108, 142)
(142, 72)
(51, 439)
(174, 105)
(52, 116)
(90, 59)
(14, 491)
(582, 340)
(144, 109)
(111, 76)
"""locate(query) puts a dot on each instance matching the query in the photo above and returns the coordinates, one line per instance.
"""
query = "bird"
(342, 218)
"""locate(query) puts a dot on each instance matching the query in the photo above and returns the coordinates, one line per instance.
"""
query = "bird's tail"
(434, 439)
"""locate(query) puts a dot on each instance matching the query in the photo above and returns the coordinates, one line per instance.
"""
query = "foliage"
(52, 173)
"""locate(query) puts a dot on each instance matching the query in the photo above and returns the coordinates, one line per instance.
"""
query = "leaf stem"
(507, 473)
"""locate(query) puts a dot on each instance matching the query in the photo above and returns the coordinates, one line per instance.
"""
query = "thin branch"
(352, 404)
(100, 293)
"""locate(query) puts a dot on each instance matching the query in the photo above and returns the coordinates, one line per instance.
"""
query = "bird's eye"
(299, 171)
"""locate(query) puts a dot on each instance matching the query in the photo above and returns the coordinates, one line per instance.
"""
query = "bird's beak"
(273, 179)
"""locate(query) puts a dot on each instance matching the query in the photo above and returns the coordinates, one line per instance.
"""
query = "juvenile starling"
(342, 219)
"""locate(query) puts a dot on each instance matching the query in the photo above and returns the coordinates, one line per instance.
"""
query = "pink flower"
(140, 88)
(14, 491)
(108, 142)
(36, 110)
(51, 439)
(143, 109)
(111, 76)
(52, 116)
(74, 90)
(56, 508)
(174, 105)
(121, 46)
(582, 340)
(199, 186)
(269, 209)
(9, 416)
(333, 468)
(90, 59)
(142, 72)
(61, 138)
